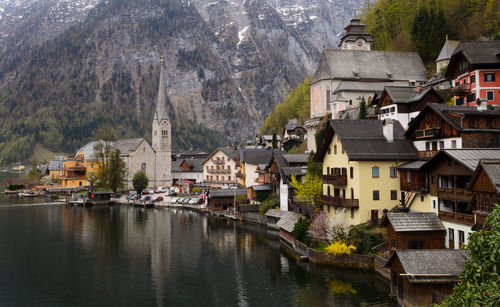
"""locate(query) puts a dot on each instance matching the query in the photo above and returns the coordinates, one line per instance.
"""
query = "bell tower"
(162, 141)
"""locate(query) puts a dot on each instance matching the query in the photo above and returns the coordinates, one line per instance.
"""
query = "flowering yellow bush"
(339, 247)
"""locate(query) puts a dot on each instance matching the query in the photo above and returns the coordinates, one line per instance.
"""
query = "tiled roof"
(127, 145)
(364, 140)
(430, 265)
(288, 221)
(226, 192)
(480, 52)
(492, 169)
(415, 221)
(275, 213)
(360, 86)
(296, 158)
(256, 156)
(468, 157)
(400, 94)
(447, 50)
(372, 65)
(413, 165)
(262, 187)
(230, 152)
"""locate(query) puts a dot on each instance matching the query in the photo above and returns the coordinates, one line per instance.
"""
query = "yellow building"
(360, 160)
(77, 171)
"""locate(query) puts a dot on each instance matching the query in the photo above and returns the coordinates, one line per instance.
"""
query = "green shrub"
(300, 230)
(364, 238)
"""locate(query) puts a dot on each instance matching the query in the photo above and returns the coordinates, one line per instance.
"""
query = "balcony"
(217, 161)
(219, 171)
(427, 154)
(340, 180)
(460, 195)
(461, 89)
(428, 133)
(240, 175)
(414, 187)
(455, 217)
(340, 202)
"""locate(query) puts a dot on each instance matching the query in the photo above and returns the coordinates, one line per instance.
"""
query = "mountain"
(66, 67)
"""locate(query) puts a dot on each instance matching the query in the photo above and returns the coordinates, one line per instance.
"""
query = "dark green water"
(53, 255)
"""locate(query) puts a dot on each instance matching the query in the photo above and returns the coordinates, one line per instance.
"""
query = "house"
(422, 277)
(360, 158)
(286, 225)
(74, 174)
(444, 56)
(414, 230)
(404, 103)
(485, 187)
(253, 161)
(56, 166)
(225, 199)
(474, 69)
(442, 126)
(273, 216)
(281, 169)
(293, 134)
(448, 175)
(188, 168)
(220, 168)
(266, 141)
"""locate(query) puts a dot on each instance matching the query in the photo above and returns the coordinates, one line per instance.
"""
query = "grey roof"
(288, 221)
(127, 145)
(447, 50)
(364, 140)
(195, 165)
(415, 221)
(468, 157)
(419, 95)
(275, 213)
(88, 150)
(354, 30)
(370, 65)
(256, 156)
(296, 158)
(400, 94)
(56, 164)
(176, 166)
(480, 52)
(262, 187)
(269, 137)
(226, 192)
(413, 165)
(338, 96)
(431, 265)
(492, 169)
(230, 152)
(360, 86)
(297, 171)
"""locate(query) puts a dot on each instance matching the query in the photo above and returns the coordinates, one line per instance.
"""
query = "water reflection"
(125, 256)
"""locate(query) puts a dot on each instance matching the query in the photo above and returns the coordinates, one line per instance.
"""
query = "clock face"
(360, 43)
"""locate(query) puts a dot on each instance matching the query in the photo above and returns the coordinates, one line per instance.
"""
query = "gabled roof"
(296, 158)
(413, 165)
(467, 157)
(400, 94)
(127, 145)
(256, 156)
(370, 65)
(269, 137)
(227, 192)
(288, 221)
(491, 168)
(431, 265)
(447, 113)
(195, 165)
(230, 152)
(365, 140)
(415, 221)
(447, 50)
(480, 52)
(275, 213)
(56, 164)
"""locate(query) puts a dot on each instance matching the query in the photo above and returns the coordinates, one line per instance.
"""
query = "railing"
(340, 180)
(462, 218)
(219, 181)
(216, 161)
(485, 201)
(454, 194)
(427, 154)
(413, 187)
(340, 202)
(240, 175)
(428, 133)
(461, 89)
(219, 171)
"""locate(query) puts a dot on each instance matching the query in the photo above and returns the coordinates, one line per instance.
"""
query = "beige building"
(220, 169)
(360, 160)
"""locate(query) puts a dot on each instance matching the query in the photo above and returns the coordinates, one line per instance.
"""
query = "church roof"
(354, 30)
(127, 145)
(359, 65)
(447, 50)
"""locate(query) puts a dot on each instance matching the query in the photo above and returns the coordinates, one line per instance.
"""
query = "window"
(350, 102)
(473, 79)
(408, 176)
(465, 81)
(489, 77)
(394, 195)
(351, 172)
(451, 234)
(328, 170)
(441, 144)
(393, 243)
(328, 190)
(471, 97)
(376, 195)
(329, 151)
(461, 238)
(328, 98)
(434, 204)
(91, 165)
(328, 208)
(432, 179)
(489, 95)
(459, 101)
(427, 146)
(352, 213)
(392, 172)
(334, 149)
(375, 172)
(454, 144)
(143, 167)
(228, 178)
(421, 198)
(156, 132)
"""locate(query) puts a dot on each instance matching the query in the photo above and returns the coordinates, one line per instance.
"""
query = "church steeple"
(161, 103)
(355, 37)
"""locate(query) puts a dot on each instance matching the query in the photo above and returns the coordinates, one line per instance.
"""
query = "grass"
(42, 154)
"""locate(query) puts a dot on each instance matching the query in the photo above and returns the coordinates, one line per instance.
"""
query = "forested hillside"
(422, 25)
(296, 105)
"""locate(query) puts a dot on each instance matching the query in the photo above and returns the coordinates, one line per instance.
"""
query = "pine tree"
(362, 109)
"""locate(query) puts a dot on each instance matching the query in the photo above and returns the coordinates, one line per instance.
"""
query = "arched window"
(351, 172)
(352, 193)
(143, 167)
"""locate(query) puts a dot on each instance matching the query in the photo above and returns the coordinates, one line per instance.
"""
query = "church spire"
(161, 103)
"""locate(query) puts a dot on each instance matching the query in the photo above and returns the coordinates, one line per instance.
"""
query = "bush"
(270, 202)
(300, 230)
(365, 238)
(338, 247)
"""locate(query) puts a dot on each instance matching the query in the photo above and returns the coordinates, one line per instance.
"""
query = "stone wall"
(378, 266)
(252, 217)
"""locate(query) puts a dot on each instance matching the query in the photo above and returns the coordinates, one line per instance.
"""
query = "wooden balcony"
(340, 202)
(219, 171)
(427, 154)
(461, 195)
(217, 161)
(428, 133)
(240, 175)
(413, 187)
(455, 217)
(461, 89)
(340, 180)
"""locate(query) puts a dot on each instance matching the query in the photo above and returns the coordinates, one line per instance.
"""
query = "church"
(155, 159)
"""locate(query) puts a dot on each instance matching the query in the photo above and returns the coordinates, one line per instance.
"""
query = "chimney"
(388, 130)
(481, 104)
(419, 88)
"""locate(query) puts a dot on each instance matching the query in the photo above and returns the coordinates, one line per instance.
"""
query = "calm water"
(53, 255)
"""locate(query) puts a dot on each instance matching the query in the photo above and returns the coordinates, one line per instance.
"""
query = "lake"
(54, 255)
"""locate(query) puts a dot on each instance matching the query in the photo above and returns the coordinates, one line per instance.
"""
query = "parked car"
(132, 197)
(186, 200)
(148, 191)
(158, 198)
(173, 200)
(195, 201)
(145, 198)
